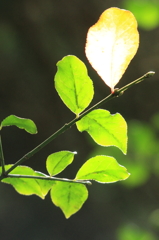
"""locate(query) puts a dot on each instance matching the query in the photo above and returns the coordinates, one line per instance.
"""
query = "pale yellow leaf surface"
(112, 43)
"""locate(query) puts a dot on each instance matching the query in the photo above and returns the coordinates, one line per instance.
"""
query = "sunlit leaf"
(73, 84)
(45, 185)
(58, 161)
(23, 123)
(26, 186)
(69, 197)
(105, 129)
(103, 169)
(112, 43)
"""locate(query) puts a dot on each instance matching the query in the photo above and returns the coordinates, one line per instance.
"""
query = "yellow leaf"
(112, 43)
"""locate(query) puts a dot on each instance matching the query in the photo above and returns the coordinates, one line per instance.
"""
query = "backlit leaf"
(58, 161)
(27, 186)
(69, 196)
(103, 169)
(23, 123)
(112, 43)
(73, 84)
(45, 185)
(105, 129)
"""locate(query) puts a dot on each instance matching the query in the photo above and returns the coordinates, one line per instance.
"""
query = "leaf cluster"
(104, 128)
(76, 90)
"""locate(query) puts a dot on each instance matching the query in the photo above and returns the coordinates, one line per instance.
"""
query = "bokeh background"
(34, 35)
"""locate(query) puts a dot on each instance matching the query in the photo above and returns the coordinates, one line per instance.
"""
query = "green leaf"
(27, 186)
(141, 135)
(139, 174)
(23, 123)
(69, 197)
(45, 185)
(145, 12)
(131, 231)
(102, 169)
(58, 161)
(73, 84)
(105, 129)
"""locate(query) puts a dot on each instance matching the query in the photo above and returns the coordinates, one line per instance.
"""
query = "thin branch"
(49, 178)
(126, 87)
(116, 93)
(2, 157)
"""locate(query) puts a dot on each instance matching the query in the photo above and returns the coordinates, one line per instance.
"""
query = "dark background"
(34, 35)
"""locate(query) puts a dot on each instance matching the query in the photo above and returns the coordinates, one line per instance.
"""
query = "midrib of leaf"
(75, 89)
(60, 161)
(105, 130)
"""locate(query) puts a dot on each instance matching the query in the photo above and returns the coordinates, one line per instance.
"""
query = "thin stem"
(2, 157)
(116, 93)
(49, 178)
(146, 75)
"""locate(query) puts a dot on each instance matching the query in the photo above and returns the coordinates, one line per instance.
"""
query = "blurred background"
(34, 35)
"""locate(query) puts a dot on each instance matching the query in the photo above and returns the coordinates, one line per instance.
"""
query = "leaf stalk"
(49, 178)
